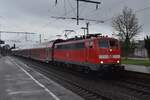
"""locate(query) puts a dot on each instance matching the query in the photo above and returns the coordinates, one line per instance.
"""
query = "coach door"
(47, 54)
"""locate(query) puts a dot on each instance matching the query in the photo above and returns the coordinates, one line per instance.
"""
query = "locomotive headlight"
(101, 62)
(118, 61)
(103, 56)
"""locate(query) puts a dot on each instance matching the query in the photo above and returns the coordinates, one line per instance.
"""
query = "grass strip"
(136, 62)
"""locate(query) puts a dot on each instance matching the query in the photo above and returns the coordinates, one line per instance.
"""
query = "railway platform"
(16, 83)
(137, 68)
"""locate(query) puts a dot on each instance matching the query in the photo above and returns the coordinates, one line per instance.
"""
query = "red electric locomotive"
(90, 53)
(96, 53)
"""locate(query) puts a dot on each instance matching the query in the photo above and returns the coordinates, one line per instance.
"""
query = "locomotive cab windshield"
(108, 43)
(113, 44)
(109, 51)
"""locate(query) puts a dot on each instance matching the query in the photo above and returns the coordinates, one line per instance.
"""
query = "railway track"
(84, 92)
(138, 90)
(94, 89)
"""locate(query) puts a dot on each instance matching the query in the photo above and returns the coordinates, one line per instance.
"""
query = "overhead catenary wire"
(143, 9)
(94, 11)
(108, 19)
(73, 9)
(136, 11)
(67, 12)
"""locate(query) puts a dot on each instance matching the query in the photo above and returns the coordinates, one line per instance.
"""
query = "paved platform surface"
(17, 84)
(137, 68)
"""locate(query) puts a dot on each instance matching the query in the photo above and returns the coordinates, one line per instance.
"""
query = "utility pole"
(77, 12)
(86, 28)
(87, 1)
(77, 17)
(40, 37)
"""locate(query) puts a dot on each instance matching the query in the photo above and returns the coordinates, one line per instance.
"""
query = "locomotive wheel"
(86, 70)
(69, 66)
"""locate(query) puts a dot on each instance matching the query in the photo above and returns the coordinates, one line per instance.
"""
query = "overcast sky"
(35, 16)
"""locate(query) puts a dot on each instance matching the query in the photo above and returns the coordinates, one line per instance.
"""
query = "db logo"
(110, 56)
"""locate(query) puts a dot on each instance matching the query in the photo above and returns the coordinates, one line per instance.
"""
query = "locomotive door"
(89, 46)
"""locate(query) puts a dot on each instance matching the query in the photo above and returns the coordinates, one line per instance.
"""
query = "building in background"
(140, 50)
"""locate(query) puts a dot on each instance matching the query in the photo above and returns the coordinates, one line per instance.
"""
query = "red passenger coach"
(43, 52)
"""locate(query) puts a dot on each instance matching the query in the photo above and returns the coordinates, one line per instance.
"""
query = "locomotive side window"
(71, 46)
(113, 43)
(103, 44)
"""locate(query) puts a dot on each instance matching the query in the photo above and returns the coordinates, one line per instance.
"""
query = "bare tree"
(127, 26)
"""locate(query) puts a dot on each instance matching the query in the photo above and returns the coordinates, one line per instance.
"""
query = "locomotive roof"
(81, 39)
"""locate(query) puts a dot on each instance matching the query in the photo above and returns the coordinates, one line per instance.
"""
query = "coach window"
(79, 45)
(56, 46)
(73, 46)
(59, 47)
(67, 46)
(64, 47)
